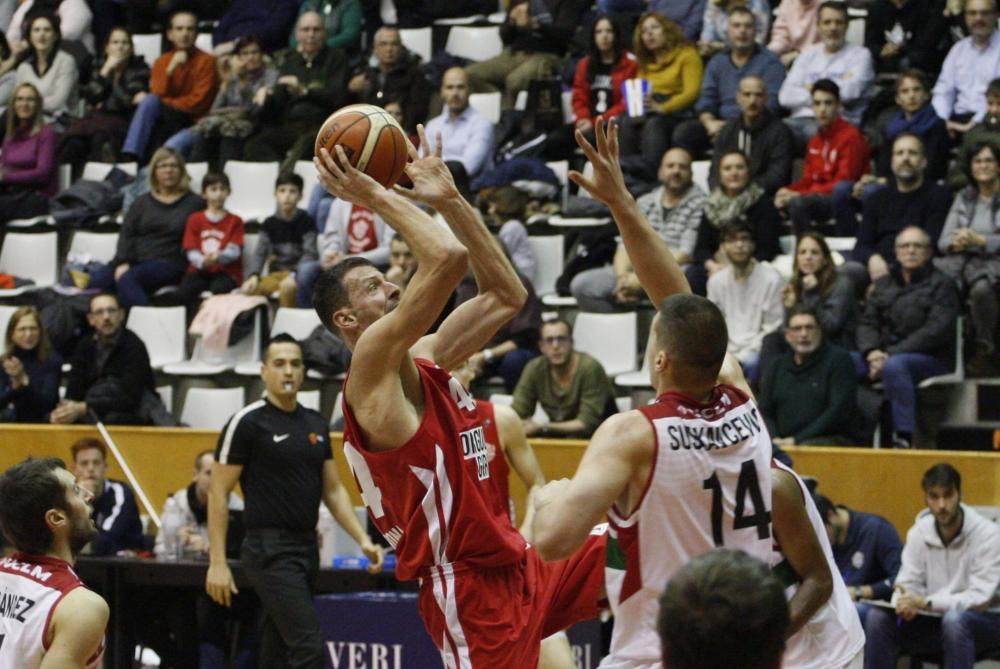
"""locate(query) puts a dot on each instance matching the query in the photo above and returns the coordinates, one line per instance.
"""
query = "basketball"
(372, 139)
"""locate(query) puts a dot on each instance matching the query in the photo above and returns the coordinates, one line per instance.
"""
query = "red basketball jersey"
(499, 468)
(435, 498)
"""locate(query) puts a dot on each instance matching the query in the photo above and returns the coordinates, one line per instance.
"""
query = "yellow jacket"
(677, 76)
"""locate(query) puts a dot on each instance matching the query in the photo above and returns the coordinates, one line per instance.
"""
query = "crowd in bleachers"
(848, 129)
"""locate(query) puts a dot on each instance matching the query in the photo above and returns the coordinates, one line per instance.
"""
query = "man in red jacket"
(836, 156)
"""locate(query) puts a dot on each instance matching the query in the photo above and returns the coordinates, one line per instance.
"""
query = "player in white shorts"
(47, 617)
(678, 478)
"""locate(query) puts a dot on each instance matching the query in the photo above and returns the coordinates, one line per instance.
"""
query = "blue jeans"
(140, 130)
(305, 278)
(958, 635)
(181, 141)
(139, 282)
(901, 374)
(846, 208)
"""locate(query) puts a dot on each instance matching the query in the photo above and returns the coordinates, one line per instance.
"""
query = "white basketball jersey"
(30, 588)
(709, 486)
(833, 636)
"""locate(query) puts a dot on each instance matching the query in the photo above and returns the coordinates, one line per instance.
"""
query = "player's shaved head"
(692, 331)
(723, 610)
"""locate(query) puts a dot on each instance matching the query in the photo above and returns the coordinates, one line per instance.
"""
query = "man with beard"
(947, 597)
(467, 135)
(808, 395)
(47, 617)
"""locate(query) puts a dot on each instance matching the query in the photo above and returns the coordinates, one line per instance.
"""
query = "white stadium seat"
(210, 408)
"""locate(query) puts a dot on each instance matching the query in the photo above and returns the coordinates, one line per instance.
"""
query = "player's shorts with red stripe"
(496, 618)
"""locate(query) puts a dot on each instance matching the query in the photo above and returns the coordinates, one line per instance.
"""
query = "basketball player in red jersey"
(412, 436)
(48, 620)
(677, 478)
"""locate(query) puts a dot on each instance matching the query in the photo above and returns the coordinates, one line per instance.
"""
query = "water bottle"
(171, 529)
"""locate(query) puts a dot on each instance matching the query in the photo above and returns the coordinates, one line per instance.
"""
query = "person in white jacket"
(947, 591)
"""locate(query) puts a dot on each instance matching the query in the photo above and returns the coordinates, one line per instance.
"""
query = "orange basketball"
(372, 139)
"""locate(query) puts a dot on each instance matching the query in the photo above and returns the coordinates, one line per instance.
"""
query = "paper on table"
(883, 604)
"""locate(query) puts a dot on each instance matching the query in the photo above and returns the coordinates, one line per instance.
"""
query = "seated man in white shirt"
(466, 134)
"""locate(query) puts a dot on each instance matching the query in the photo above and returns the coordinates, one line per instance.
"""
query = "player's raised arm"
(654, 264)
(501, 294)
(441, 264)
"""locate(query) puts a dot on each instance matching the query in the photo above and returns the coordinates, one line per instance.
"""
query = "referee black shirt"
(282, 455)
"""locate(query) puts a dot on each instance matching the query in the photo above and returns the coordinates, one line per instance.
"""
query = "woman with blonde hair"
(149, 254)
(673, 68)
(29, 370)
(29, 173)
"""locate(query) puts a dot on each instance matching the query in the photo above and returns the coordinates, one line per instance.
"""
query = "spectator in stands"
(342, 21)
(29, 370)
(396, 75)
(748, 294)
(402, 263)
(715, 34)
(50, 70)
(115, 512)
(902, 34)
(213, 244)
(505, 212)
(74, 17)
(269, 21)
(867, 550)
(907, 330)
(986, 131)
(970, 246)
(674, 210)
(674, 70)
(571, 386)
(182, 86)
(907, 200)
(735, 199)
(847, 65)
(211, 618)
(817, 285)
(971, 64)
(717, 103)
(760, 135)
(349, 230)
(466, 135)
(150, 254)
(951, 568)
(795, 29)
(687, 14)
(111, 373)
(837, 155)
(915, 116)
(535, 36)
(111, 96)
(286, 244)
(312, 83)
(218, 136)
(809, 395)
(29, 174)
(597, 86)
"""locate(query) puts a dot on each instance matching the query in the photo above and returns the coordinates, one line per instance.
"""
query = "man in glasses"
(571, 386)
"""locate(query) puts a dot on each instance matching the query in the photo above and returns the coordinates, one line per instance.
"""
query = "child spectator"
(213, 244)
(287, 241)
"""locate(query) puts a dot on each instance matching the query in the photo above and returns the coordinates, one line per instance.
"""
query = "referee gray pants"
(282, 566)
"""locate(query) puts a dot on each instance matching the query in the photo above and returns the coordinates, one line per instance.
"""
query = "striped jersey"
(709, 486)
(833, 636)
(434, 498)
(31, 586)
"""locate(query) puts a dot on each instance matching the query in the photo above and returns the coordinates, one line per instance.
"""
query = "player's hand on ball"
(432, 182)
(375, 555)
(342, 180)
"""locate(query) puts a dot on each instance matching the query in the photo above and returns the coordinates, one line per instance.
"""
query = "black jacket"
(116, 386)
(117, 518)
(405, 84)
(888, 211)
(555, 29)
(918, 317)
(32, 403)
(769, 145)
(325, 80)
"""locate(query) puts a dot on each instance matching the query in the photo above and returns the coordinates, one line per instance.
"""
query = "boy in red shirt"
(213, 244)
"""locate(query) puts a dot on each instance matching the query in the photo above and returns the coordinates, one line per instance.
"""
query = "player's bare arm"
(339, 503)
(76, 630)
(501, 294)
(614, 469)
(801, 548)
(732, 375)
(219, 583)
(522, 460)
(654, 264)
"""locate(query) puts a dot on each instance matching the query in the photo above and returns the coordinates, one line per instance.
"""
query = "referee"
(280, 453)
